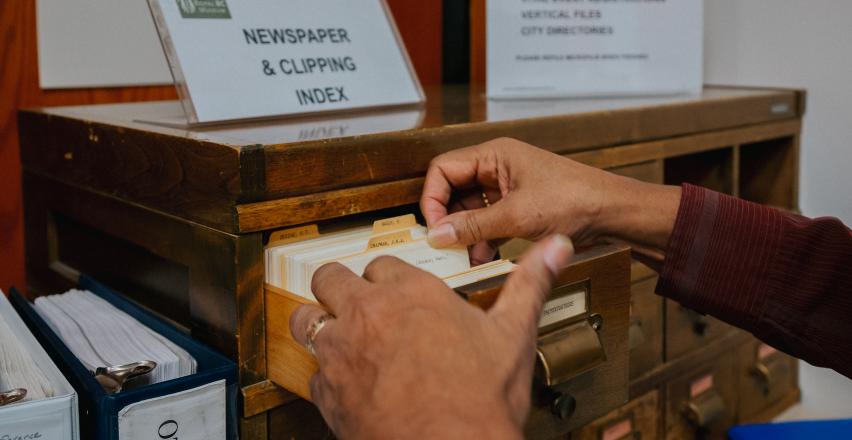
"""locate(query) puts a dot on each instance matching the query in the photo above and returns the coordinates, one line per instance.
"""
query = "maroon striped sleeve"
(781, 276)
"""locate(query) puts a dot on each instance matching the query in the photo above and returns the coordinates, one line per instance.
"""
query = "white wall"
(798, 43)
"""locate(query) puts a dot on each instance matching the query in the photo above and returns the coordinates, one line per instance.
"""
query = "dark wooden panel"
(299, 420)
(646, 328)
(712, 169)
(639, 419)
(769, 172)
(157, 282)
(688, 330)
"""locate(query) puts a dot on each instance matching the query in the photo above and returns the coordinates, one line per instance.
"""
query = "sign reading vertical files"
(562, 48)
(241, 59)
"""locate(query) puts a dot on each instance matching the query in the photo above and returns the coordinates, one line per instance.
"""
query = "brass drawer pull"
(767, 373)
(705, 409)
(570, 351)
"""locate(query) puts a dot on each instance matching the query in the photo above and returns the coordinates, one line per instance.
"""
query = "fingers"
(483, 252)
(456, 170)
(389, 269)
(301, 320)
(334, 285)
(501, 220)
(527, 288)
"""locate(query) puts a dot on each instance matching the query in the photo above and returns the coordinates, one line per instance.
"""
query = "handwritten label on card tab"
(701, 385)
(196, 414)
(293, 235)
(390, 240)
(394, 223)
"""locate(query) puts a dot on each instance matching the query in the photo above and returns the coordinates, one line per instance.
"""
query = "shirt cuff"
(719, 255)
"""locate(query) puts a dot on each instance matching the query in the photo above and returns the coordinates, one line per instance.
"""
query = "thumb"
(527, 288)
(468, 227)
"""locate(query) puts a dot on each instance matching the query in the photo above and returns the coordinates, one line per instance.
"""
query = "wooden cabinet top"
(230, 177)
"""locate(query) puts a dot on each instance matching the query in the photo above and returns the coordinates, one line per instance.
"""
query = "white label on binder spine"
(40, 420)
(196, 414)
(237, 59)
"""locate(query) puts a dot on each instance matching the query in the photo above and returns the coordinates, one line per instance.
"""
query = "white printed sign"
(241, 59)
(196, 414)
(557, 48)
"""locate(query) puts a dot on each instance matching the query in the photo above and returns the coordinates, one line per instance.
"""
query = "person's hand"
(406, 357)
(532, 193)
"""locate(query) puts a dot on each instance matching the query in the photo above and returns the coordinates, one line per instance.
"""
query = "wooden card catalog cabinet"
(177, 219)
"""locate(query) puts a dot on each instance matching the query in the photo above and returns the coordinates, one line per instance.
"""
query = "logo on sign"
(203, 9)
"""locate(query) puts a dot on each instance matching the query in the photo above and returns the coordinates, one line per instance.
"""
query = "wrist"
(639, 213)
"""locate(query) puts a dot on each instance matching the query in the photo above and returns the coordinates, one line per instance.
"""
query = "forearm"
(783, 277)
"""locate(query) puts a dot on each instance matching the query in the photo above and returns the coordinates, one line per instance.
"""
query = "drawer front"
(688, 330)
(639, 419)
(646, 328)
(702, 404)
(564, 407)
(766, 376)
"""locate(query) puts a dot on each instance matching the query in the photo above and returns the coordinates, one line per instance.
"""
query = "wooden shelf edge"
(263, 396)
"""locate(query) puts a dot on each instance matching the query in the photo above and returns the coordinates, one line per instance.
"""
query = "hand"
(406, 357)
(534, 193)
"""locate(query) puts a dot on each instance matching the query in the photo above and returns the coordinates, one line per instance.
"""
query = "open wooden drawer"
(582, 365)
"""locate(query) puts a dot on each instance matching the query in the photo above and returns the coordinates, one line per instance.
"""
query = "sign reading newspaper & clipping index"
(593, 48)
(240, 59)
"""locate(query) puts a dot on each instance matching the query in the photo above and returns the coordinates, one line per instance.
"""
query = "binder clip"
(115, 378)
(12, 396)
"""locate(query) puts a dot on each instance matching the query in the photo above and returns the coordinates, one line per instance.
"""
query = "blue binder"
(99, 412)
(808, 430)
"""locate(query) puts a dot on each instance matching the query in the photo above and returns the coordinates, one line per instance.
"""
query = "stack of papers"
(290, 264)
(18, 370)
(100, 335)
